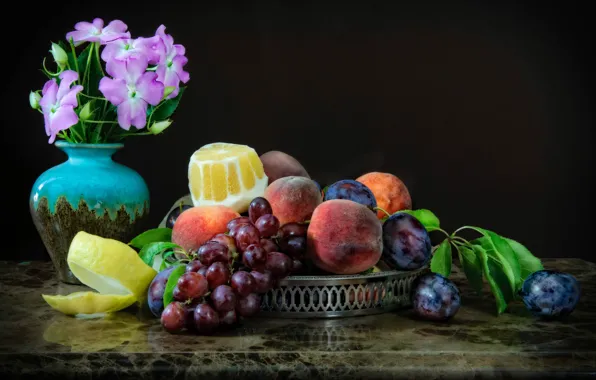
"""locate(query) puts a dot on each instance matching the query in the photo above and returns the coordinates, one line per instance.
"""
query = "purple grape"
(223, 298)
(203, 271)
(279, 264)
(293, 229)
(243, 283)
(228, 318)
(258, 207)
(294, 246)
(212, 251)
(193, 266)
(264, 281)
(245, 236)
(249, 305)
(173, 318)
(238, 221)
(217, 274)
(269, 245)
(190, 285)
(206, 319)
(268, 225)
(254, 257)
(226, 240)
(156, 290)
(297, 266)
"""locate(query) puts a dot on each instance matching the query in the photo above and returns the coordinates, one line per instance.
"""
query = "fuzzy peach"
(344, 237)
(293, 198)
(198, 224)
(391, 193)
(279, 164)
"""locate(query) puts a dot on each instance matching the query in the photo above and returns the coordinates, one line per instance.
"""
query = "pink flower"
(131, 89)
(96, 32)
(170, 69)
(124, 48)
(58, 103)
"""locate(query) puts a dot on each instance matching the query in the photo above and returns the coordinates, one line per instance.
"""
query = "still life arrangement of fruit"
(255, 220)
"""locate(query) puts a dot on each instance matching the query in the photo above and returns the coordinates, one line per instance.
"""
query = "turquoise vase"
(88, 192)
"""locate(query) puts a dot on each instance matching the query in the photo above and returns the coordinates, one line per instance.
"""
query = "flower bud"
(159, 126)
(34, 99)
(59, 55)
(86, 113)
(168, 90)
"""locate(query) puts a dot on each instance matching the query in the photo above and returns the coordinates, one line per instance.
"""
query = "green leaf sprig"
(503, 262)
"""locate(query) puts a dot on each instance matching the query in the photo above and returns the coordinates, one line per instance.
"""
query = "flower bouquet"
(106, 82)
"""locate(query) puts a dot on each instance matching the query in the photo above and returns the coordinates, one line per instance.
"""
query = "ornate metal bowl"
(334, 295)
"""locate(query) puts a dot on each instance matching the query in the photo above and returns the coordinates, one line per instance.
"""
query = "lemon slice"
(226, 174)
(109, 266)
(89, 302)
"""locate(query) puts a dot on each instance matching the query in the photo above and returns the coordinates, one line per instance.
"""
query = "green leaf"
(528, 263)
(152, 236)
(165, 109)
(495, 270)
(441, 260)
(492, 242)
(472, 266)
(426, 217)
(148, 252)
(172, 280)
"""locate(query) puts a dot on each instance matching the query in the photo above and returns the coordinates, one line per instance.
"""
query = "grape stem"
(381, 209)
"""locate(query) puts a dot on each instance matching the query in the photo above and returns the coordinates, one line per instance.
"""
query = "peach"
(293, 199)
(279, 164)
(391, 193)
(344, 237)
(198, 224)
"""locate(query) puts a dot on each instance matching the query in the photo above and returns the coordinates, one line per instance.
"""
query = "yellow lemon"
(226, 174)
(89, 302)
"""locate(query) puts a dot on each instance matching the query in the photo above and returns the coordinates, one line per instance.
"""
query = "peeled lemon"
(226, 174)
(110, 267)
(89, 302)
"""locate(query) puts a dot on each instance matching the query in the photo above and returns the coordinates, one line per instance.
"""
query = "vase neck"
(95, 152)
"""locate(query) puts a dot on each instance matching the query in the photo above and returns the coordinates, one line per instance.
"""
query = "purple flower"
(58, 103)
(96, 32)
(124, 48)
(170, 69)
(131, 89)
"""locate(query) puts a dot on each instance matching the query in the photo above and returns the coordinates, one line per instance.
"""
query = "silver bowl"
(333, 296)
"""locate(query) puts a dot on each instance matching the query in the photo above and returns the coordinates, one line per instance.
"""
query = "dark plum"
(173, 215)
(206, 319)
(258, 207)
(173, 318)
(213, 251)
(550, 294)
(435, 297)
(156, 290)
(353, 191)
(406, 243)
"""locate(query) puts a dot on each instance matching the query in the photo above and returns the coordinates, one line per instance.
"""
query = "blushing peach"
(279, 164)
(293, 199)
(344, 237)
(391, 193)
(198, 224)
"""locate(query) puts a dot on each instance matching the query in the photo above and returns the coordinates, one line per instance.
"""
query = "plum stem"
(381, 209)
(460, 239)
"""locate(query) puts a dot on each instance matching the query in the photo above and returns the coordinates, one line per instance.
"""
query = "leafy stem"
(96, 45)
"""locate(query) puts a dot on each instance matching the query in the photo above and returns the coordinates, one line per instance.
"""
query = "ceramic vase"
(88, 192)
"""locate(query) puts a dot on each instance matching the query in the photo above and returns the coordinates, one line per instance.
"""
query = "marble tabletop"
(36, 340)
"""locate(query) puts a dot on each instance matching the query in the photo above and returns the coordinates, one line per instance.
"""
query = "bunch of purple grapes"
(228, 274)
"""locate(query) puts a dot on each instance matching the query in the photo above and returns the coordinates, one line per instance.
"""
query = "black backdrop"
(485, 111)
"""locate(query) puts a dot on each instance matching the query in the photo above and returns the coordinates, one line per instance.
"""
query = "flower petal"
(98, 23)
(70, 98)
(115, 26)
(114, 90)
(177, 65)
(66, 79)
(135, 67)
(152, 47)
(149, 89)
(180, 49)
(84, 25)
(81, 36)
(48, 85)
(114, 48)
(117, 69)
(64, 118)
(49, 92)
(107, 37)
(132, 112)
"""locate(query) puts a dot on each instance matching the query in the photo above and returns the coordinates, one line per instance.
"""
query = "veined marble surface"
(36, 340)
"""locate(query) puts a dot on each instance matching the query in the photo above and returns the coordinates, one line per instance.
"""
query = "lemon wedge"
(89, 302)
(109, 266)
(226, 174)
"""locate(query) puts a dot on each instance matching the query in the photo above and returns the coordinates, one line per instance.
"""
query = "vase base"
(58, 228)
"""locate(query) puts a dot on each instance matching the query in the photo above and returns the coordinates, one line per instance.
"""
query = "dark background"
(486, 111)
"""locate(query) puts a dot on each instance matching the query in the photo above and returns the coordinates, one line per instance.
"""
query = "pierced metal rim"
(349, 279)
